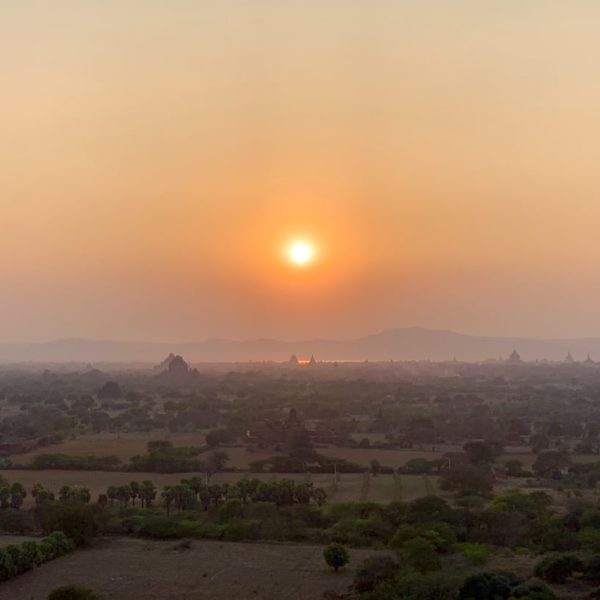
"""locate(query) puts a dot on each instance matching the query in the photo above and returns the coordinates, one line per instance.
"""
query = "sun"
(301, 253)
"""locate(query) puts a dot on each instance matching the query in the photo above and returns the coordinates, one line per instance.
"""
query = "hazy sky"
(157, 156)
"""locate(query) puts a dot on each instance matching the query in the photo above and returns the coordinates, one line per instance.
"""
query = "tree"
(134, 486)
(216, 461)
(110, 390)
(147, 493)
(17, 495)
(41, 495)
(4, 496)
(75, 519)
(375, 467)
(480, 453)
(550, 463)
(421, 554)
(419, 466)
(72, 592)
(336, 556)
(466, 480)
(514, 468)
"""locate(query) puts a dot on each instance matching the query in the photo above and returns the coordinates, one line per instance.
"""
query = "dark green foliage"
(480, 453)
(429, 509)
(476, 554)
(72, 592)
(550, 463)
(232, 509)
(421, 554)
(336, 556)
(374, 571)
(410, 584)
(533, 590)
(163, 457)
(77, 520)
(466, 480)
(68, 462)
(591, 569)
(17, 559)
(487, 586)
(165, 528)
(557, 568)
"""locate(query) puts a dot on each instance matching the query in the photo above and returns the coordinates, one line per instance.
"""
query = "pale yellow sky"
(157, 155)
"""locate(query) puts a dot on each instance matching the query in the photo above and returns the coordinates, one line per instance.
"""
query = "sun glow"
(301, 253)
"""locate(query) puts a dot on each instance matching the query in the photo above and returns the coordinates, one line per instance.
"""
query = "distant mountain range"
(413, 343)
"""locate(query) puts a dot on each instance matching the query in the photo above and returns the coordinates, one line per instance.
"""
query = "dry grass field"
(144, 570)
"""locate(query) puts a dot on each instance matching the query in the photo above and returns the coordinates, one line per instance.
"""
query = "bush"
(440, 585)
(557, 568)
(165, 528)
(17, 559)
(8, 568)
(336, 556)
(373, 571)
(239, 529)
(232, 509)
(72, 592)
(590, 539)
(485, 586)
(533, 590)
(591, 569)
(77, 521)
(476, 554)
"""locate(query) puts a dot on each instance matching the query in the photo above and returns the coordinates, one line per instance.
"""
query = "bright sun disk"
(301, 253)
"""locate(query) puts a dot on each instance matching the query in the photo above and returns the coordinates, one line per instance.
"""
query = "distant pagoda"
(588, 361)
(569, 358)
(514, 358)
(293, 360)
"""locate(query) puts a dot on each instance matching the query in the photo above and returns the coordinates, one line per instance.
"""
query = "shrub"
(239, 529)
(232, 509)
(30, 553)
(165, 528)
(336, 556)
(439, 585)
(476, 554)
(77, 521)
(485, 586)
(557, 568)
(591, 569)
(72, 592)
(8, 568)
(590, 539)
(373, 571)
(14, 552)
(533, 590)
(17, 559)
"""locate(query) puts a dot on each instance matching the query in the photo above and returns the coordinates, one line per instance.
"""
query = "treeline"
(194, 493)
(161, 457)
(16, 559)
(68, 462)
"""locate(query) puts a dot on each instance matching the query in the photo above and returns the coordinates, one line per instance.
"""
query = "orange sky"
(443, 156)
